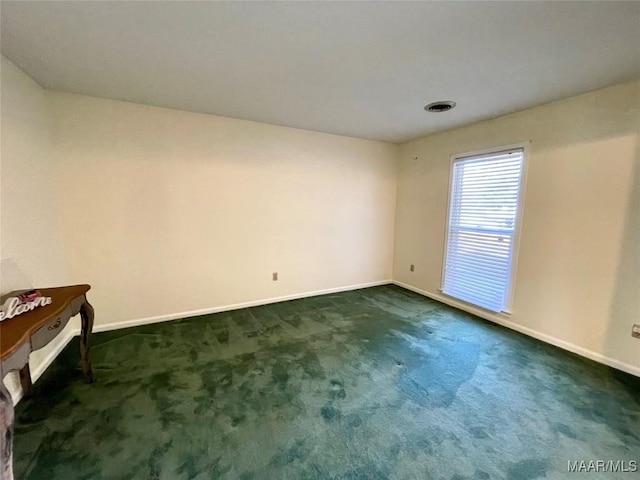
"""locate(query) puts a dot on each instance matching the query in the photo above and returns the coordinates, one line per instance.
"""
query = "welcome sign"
(13, 306)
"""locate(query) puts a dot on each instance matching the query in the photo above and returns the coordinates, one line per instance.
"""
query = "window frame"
(453, 158)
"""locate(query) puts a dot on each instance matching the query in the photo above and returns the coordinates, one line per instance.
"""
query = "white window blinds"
(483, 207)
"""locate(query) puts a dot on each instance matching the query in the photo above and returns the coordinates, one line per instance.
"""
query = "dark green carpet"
(371, 384)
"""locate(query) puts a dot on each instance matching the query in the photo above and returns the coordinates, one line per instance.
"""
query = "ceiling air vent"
(442, 106)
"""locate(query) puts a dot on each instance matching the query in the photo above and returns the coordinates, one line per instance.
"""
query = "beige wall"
(578, 269)
(29, 230)
(167, 211)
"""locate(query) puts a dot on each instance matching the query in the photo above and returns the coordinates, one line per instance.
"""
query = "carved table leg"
(25, 381)
(6, 433)
(86, 314)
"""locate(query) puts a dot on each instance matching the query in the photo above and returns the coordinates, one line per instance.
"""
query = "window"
(484, 205)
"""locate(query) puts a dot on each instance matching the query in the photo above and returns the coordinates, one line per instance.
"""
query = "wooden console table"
(21, 335)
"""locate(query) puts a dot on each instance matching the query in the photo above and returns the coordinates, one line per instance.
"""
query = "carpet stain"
(528, 469)
(329, 413)
(378, 383)
(566, 430)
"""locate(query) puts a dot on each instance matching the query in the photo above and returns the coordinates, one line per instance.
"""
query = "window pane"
(482, 219)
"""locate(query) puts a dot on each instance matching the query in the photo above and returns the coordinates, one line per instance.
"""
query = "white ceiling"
(352, 68)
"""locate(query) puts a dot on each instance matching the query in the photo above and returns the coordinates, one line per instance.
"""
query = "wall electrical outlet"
(635, 331)
(275, 276)
(412, 268)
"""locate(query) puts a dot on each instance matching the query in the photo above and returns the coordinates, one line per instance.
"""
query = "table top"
(15, 331)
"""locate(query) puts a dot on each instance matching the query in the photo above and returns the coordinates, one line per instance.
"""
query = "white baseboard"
(37, 372)
(505, 322)
(235, 306)
(16, 391)
(61, 342)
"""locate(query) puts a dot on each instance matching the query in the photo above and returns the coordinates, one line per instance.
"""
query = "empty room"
(319, 240)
